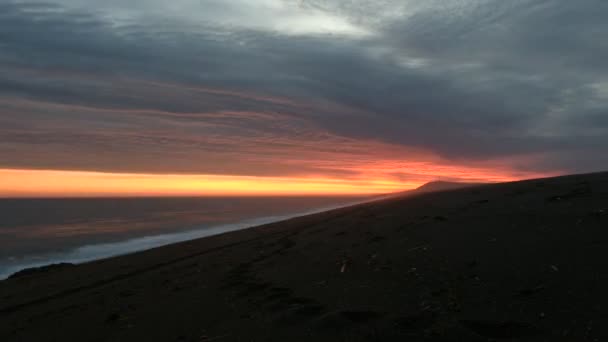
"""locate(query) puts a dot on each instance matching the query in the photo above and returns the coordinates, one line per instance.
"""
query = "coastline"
(98, 251)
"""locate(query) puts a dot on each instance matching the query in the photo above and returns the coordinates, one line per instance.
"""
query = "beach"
(43, 231)
(520, 261)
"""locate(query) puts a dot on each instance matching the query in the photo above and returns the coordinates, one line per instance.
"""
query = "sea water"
(36, 232)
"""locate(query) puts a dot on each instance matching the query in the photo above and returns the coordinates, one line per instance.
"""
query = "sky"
(215, 97)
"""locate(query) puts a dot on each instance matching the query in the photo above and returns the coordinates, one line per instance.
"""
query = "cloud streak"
(313, 88)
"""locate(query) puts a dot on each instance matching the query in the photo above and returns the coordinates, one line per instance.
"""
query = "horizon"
(57, 191)
(87, 184)
(307, 98)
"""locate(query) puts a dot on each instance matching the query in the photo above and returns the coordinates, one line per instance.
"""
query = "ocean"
(36, 232)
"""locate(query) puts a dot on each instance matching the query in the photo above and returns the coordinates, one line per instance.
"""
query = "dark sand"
(522, 261)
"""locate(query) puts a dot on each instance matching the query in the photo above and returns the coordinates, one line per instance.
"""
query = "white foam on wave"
(105, 250)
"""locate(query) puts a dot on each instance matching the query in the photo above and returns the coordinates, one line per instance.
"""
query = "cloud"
(288, 17)
(289, 87)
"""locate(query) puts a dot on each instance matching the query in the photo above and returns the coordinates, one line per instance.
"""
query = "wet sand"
(524, 261)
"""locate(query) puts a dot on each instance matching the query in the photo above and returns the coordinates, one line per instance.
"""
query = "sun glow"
(52, 183)
(373, 179)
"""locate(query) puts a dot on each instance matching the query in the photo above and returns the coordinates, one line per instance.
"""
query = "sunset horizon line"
(49, 183)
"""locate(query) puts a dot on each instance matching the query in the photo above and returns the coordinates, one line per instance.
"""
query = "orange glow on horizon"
(55, 183)
(59, 183)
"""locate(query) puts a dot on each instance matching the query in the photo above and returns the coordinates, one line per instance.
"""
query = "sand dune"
(522, 261)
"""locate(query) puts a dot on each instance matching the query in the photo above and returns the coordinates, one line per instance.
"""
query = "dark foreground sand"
(523, 261)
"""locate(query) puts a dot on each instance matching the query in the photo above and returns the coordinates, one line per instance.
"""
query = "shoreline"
(99, 251)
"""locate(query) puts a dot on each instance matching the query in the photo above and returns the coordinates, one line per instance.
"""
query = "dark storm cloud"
(469, 81)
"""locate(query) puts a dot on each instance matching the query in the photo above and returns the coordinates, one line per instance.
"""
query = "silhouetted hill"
(435, 186)
(443, 186)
